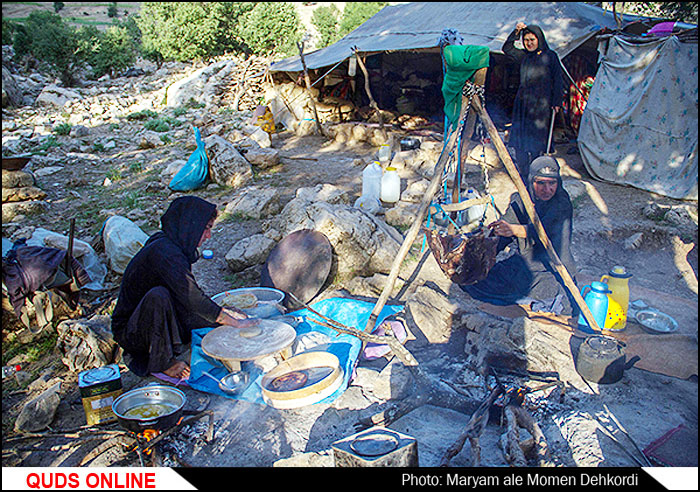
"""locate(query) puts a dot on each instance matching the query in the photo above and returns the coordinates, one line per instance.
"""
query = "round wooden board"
(299, 264)
(229, 343)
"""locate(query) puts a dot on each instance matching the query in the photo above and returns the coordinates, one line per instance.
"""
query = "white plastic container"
(372, 181)
(474, 212)
(384, 153)
(391, 186)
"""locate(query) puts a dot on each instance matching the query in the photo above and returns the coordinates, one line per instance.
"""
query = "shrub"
(114, 52)
(48, 39)
(325, 19)
(8, 31)
(355, 13)
(62, 129)
(58, 6)
(271, 28)
(112, 10)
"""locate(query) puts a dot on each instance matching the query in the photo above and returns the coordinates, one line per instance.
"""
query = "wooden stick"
(473, 430)
(412, 233)
(526, 421)
(532, 213)
(372, 102)
(510, 440)
(308, 87)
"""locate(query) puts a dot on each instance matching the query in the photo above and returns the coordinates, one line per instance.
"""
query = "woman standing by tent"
(540, 91)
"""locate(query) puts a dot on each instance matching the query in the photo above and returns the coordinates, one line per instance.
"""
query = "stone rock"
(11, 210)
(53, 95)
(394, 382)
(324, 193)
(48, 171)
(11, 93)
(305, 460)
(306, 128)
(21, 194)
(678, 216)
(254, 203)
(79, 131)
(433, 314)
(263, 158)
(362, 243)
(250, 251)
(260, 137)
(38, 413)
(87, 343)
(654, 211)
(634, 241)
(201, 86)
(173, 168)
(227, 167)
(16, 179)
(403, 214)
(415, 191)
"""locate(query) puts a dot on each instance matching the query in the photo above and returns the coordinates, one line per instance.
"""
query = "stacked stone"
(20, 195)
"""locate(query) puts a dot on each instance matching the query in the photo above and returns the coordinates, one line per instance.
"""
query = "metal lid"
(98, 375)
(377, 443)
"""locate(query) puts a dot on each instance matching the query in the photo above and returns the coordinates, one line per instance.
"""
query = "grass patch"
(33, 351)
(163, 124)
(48, 143)
(142, 115)
(62, 129)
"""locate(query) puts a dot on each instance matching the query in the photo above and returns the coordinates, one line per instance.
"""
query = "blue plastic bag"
(194, 173)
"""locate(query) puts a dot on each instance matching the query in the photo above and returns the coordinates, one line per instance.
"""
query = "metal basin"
(154, 407)
(656, 322)
(269, 301)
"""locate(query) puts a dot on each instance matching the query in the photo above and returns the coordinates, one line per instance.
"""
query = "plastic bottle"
(9, 370)
(372, 182)
(475, 212)
(391, 186)
(618, 282)
(384, 154)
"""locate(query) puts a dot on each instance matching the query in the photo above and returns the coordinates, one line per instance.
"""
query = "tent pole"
(372, 102)
(412, 233)
(308, 86)
(532, 213)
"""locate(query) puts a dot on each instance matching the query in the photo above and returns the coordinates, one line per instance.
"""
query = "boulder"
(201, 86)
(325, 193)
(11, 210)
(394, 382)
(262, 158)
(249, 251)
(21, 194)
(53, 95)
(11, 93)
(78, 131)
(403, 214)
(87, 343)
(38, 413)
(254, 203)
(362, 244)
(16, 179)
(227, 167)
(433, 314)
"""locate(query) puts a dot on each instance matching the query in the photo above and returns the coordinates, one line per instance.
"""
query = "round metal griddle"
(299, 264)
(376, 443)
(233, 345)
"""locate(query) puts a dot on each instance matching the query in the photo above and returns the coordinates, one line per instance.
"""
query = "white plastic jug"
(475, 212)
(391, 186)
(384, 154)
(372, 181)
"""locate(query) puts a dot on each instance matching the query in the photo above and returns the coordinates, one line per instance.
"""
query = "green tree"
(58, 6)
(114, 52)
(325, 19)
(8, 31)
(112, 10)
(271, 29)
(677, 11)
(47, 38)
(355, 13)
(185, 31)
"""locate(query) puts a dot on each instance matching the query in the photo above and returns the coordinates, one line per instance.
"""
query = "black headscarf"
(537, 31)
(184, 223)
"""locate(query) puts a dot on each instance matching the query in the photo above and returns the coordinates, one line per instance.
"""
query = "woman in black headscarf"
(527, 277)
(159, 301)
(541, 90)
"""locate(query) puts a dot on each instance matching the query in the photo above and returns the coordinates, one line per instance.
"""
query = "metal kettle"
(601, 359)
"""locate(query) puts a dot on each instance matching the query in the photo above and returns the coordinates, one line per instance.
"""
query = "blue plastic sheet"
(349, 312)
(194, 173)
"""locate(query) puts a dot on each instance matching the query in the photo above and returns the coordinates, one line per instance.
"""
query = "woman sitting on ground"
(527, 277)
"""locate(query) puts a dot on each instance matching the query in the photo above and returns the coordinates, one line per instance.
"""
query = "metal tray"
(654, 321)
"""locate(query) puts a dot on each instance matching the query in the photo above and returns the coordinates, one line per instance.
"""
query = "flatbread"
(243, 300)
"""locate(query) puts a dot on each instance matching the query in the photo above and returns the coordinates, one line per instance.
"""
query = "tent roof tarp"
(418, 25)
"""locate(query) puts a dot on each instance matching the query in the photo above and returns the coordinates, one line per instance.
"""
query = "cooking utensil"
(299, 264)
(166, 400)
(656, 322)
(269, 301)
(601, 359)
(232, 383)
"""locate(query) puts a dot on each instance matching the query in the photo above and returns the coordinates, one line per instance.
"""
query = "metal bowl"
(166, 396)
(656, 322)
(234, 382)
(269, 301)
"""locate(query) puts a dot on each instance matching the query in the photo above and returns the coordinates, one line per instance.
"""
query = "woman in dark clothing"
(159, 301)
(541, 90)
(527, 277)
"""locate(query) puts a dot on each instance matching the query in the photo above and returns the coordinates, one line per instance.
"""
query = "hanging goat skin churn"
(465, 258)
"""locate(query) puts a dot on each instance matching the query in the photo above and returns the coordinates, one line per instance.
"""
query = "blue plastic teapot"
(597, 301)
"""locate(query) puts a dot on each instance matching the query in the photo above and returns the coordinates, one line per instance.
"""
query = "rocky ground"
(96, 156)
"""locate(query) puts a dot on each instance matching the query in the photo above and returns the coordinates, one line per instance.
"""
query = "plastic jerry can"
(372, 181)
(391, 186)
(475, 212)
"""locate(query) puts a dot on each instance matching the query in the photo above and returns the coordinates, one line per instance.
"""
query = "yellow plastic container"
(618, 283)
(615, 319)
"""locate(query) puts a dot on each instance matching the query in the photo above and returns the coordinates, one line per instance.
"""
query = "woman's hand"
(505, 229)
(520, 26)
(233, 317)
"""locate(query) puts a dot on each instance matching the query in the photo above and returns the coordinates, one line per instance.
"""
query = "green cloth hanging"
(461, 63)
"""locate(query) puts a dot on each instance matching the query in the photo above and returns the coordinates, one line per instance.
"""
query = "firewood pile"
(247, 83)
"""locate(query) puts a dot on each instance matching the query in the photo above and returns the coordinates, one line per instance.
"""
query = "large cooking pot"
(155, 407)
(601, 359)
